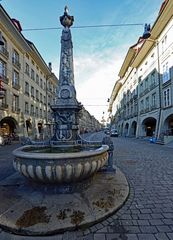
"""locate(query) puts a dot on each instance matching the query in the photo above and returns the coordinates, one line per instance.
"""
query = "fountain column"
(66, 108)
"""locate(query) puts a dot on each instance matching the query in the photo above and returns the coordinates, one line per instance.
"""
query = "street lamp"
(147, 36)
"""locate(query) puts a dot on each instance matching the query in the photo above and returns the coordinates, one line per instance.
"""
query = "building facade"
(141, 102)
(28, 84)
(88, 123)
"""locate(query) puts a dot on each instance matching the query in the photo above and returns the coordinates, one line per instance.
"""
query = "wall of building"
(28, 83)
(143, 105)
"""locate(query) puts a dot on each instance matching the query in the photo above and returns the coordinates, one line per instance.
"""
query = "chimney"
(50, 66)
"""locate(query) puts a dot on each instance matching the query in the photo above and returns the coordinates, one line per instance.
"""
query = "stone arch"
(133, 129)
(149, 126)
(168, 125)
(8, 125)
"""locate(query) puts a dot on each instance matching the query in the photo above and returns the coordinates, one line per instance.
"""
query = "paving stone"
(88, 237)
(115, 236)
(157, 216)
(132, 229)
(167, 215)
(103, 230)
(148, 229)
(99, 236)
(156, 222)
(143, 222)
(163, 228)
(161, 236)
(170, 236)
(145, 210)
(144, 216)
(168, 221)
(130, 237)
(146, 237)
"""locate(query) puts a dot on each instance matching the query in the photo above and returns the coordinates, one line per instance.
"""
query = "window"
(15, 58)
(32, 91)
(166, 98)
(15, 79)
(27, 88)
(37, 79)
(166, 74)
(3, 69)
(164, 44)
(41, 83)
(146, 83)
(32, 110)
(141, 87)
(41, 113)
(136, 108)
(27, 68)
(153, 78)
(26, 108)
(153, 103)
(142, 105)
(37, 95)
(41, 98)
(3, 49)
(147, 103)
(4, 99)
(32, 74)
(36, 111)
(15, 103)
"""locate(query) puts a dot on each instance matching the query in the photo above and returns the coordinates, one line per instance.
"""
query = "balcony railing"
(15, 110)
(153, 107)
(142, 111)
(27, 93)
(147, 109)
(16, 86)
(4, 79)
(3, 106)
(152, 86)
(4, 52)
(16, 63)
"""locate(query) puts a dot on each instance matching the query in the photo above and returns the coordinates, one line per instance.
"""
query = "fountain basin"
(40, 164)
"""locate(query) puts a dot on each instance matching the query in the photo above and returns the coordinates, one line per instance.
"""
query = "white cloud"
(95, 75)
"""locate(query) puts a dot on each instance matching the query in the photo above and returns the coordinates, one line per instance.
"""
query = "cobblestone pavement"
(148, 212)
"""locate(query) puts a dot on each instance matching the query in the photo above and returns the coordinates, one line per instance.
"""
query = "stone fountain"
(65, 158)
(67, 191)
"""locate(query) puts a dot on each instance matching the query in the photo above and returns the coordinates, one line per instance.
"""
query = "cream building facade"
(141, 102)
(88, 123)
(28, 83)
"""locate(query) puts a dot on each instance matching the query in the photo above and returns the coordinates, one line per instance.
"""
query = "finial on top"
(66, 20)
(66, 10)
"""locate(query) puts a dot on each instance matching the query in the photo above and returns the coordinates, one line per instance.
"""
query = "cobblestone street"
(148, 212)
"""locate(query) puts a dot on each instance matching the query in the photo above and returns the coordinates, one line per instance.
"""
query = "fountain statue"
(65, 158)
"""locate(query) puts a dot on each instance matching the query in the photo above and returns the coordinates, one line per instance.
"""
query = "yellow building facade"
(28, 84)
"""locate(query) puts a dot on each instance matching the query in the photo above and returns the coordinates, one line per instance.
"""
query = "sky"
(98, 52)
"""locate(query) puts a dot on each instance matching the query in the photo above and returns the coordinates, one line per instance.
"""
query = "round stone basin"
(60, 164)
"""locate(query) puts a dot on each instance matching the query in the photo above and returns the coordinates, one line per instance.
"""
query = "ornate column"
(66, 108)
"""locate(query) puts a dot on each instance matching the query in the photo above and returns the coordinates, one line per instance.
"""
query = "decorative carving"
(65, 93)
